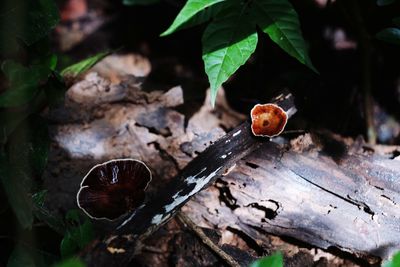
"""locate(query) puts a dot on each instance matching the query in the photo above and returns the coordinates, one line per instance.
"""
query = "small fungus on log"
(268, 120)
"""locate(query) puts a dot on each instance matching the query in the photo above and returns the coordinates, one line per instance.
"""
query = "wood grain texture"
(348, 202)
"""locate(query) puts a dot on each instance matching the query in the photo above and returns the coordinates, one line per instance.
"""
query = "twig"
(207, 241)
(153, 249)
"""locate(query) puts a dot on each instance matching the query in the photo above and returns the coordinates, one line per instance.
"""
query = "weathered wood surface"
(347, 201)
(306, 191)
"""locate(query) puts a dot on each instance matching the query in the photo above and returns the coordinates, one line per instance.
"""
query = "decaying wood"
(198, 174)
(328, 198)
(324, 193)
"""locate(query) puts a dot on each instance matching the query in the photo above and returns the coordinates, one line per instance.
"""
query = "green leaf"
(20, 257)
(24, 81)
(384, 2)
(189, 10)
(275, 260)
(23, 84)
(394, 262)
(28, 21)
(139, 2)
(78, 234)
(84, 65)
(52, 62)
(228, 43)
(389, 35)
(16, 192)
(202, 17)
(68, 246)
(279, 20)
(71, 262)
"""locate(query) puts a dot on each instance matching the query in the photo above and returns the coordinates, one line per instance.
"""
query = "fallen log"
(326, 192)
(346, 200)
(216, 160)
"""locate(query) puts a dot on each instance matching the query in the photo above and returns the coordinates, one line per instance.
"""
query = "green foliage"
(24, 82)
(16, 192)
(201, 17)
(389, 35)
(28, 21)
(84, 65)
(394, 262)
(139, 2)
(24, 139)
(231, 37)
(275, 260)
(279, 20)
(26, 158)
(228, 42)
(190, 9)
(78, 234)
(71, 262)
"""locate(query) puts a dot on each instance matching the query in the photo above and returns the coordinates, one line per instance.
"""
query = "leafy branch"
(231, 37)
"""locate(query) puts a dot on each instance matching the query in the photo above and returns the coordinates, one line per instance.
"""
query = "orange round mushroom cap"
(267, 120)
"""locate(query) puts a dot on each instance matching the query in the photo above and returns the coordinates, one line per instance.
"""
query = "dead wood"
(307, 192)
(216, 160)
(325, 192)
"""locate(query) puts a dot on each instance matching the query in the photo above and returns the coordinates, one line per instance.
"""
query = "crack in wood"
(360, 205)
(388, 198)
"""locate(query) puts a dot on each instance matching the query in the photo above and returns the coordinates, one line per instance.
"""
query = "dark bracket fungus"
(268, 120)
(113, 188)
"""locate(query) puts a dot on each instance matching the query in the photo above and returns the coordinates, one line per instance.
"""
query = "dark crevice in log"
(395, 154)
(331, 147)
(165, 132)
(164, 154)
(225, 195)
(361, 261)
(249, 241)
(270, 214)
(252, 165)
